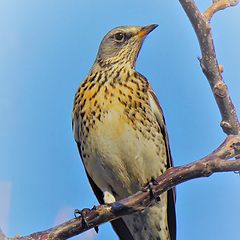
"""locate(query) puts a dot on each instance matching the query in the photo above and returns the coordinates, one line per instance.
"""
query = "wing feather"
(171, 193)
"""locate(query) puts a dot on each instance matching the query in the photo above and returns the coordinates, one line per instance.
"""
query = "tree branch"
(208, 62)
(219, 5)
(173, 176)
(217, 161)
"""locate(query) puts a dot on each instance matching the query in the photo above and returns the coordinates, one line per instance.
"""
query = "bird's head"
(122, 44)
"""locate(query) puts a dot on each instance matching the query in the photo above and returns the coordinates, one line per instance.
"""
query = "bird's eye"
(120, 37)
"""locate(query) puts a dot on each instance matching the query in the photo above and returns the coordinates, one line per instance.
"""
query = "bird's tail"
(152, 223)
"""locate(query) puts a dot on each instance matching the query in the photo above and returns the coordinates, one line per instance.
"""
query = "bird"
(121, 134)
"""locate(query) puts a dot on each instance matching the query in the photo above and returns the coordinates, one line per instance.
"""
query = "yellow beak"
(146, 30)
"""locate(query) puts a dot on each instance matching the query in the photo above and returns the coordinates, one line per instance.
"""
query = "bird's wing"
(118, 225)
(171, 193)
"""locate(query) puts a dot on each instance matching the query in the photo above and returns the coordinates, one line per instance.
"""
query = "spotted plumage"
(121, 134)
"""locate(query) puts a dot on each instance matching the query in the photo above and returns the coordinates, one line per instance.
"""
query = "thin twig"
(217, 6)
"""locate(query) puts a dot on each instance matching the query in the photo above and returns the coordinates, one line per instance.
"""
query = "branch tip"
(217, 6)
(233, 2)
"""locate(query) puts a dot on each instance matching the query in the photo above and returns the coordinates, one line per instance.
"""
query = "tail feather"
(152, 223)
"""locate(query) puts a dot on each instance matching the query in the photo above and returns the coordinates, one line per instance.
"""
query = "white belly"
(121, 158)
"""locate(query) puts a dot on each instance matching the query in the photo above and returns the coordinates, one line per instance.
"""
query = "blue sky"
(46, 50)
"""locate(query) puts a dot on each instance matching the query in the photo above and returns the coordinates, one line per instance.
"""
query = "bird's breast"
(121, 142)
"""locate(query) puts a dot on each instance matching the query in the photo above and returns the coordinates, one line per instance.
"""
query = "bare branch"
(92, 218)
(209, 64)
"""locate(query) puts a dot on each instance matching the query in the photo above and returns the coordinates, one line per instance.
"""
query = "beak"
(146, 30)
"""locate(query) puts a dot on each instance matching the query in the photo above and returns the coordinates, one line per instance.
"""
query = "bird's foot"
(149, 188)
(95, 228)
(82, 213)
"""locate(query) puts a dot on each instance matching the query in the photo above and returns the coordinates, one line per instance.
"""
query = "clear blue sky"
(46, 49)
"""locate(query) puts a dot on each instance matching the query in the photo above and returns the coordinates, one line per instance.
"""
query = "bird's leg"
(95, 228)
(149, 188)
(82, 213)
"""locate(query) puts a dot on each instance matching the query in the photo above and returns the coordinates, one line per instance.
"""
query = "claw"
(154, 181)
(76, 212)
(149, 188)
(95, 228)
(81, 213)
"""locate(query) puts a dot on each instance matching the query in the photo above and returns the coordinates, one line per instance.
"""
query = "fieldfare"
(121, 134)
